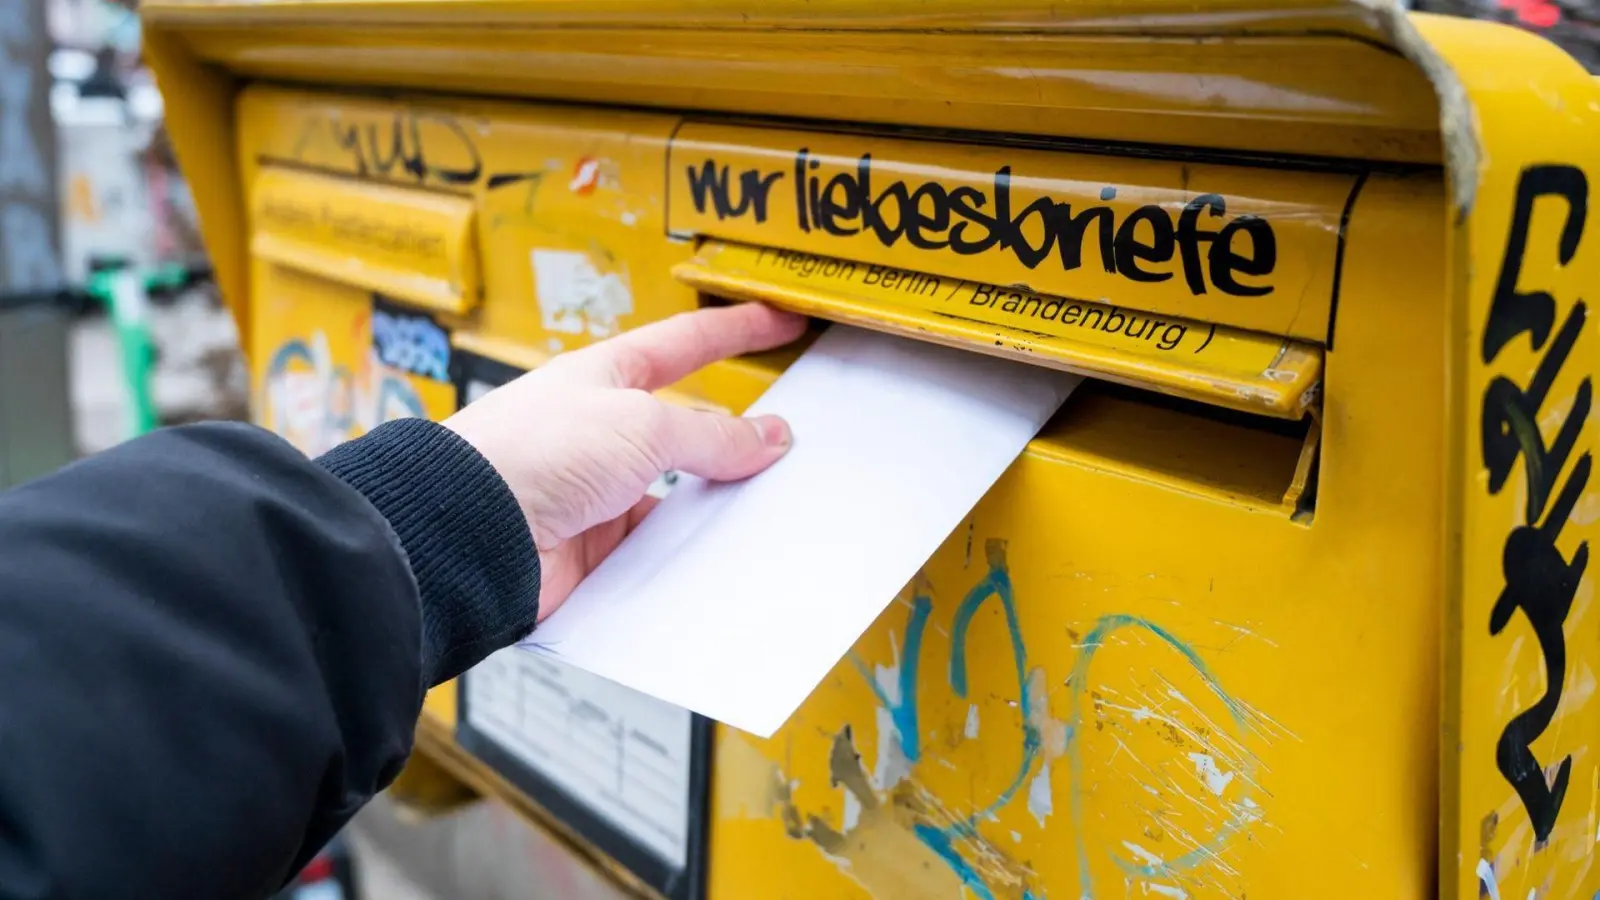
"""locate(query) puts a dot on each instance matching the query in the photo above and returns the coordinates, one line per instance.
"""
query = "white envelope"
(735, 600)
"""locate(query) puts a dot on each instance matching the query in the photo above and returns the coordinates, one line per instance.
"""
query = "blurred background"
(125, 332)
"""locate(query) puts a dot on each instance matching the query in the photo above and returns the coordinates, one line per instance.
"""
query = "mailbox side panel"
(1521, 772)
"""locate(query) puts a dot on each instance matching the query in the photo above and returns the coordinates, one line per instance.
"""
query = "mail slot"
(1290, 600)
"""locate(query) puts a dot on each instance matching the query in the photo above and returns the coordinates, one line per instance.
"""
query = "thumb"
(718, 447)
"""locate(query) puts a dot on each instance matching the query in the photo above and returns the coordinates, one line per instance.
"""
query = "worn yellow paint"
(511, 353)
(411, 245)
(1164, 656)
(1310, 76)
(1211, 363)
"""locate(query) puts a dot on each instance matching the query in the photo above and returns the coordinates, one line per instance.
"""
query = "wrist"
(462, 531)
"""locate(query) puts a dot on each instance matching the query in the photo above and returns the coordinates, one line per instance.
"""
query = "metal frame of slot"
(686, 883)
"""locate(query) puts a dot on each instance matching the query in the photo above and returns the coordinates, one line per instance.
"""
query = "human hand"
(581, 438)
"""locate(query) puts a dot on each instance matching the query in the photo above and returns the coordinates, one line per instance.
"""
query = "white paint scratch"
(892, 767)
(1487, 879)
(972, 721)
(852, 811)
(1245, 811)
(1140, 713)
(1159, 778)
(1016, 837)
(1040, 800)
(1149, 859)
(1245, 632)
(1580, 688)
(1167, 890)
(888, 677)
(1206, 768)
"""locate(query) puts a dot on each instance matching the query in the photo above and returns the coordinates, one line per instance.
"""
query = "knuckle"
(629, 365)
(730, 432)
(627, 401)
(633, 423)
(575, 366)
(696, 326)
(641, 408)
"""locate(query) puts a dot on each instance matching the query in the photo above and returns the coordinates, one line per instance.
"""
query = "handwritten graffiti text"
(968, 220)
(1539, 580)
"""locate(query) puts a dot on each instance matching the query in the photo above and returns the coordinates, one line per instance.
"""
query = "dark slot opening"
(1291, 428)
(1251, 458)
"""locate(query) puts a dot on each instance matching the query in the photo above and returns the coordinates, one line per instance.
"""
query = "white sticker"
(574, 297)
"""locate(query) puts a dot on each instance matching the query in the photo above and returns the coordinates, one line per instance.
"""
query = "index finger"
(662, 353)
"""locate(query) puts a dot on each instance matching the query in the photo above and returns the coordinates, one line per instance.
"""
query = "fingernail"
(775, 432)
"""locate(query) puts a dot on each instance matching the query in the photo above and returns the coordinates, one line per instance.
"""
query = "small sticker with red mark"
(585, 176)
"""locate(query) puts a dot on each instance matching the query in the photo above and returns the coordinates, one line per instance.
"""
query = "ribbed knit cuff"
(468, 542)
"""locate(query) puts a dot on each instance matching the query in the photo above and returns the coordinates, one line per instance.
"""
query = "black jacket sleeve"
(213, 651)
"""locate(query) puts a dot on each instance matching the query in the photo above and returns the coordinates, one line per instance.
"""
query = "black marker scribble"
(425, 145)
(1213, 250)
(1539, 580)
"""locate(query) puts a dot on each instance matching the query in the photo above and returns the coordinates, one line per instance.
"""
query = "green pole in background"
(126, 295)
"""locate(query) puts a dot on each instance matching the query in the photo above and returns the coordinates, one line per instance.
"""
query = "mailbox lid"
(418, 246)
(1218, 365)
(1304, 78)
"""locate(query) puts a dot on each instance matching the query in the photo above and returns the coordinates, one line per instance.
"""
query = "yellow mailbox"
(1290, 602)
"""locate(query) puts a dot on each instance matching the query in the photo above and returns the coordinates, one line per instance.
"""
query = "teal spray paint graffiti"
(338, 402)
(902, 706)
(996, 584)
(1242, 814)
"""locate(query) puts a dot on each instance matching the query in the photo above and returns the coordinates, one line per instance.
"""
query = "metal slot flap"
(412, 245)
(1208, 363)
